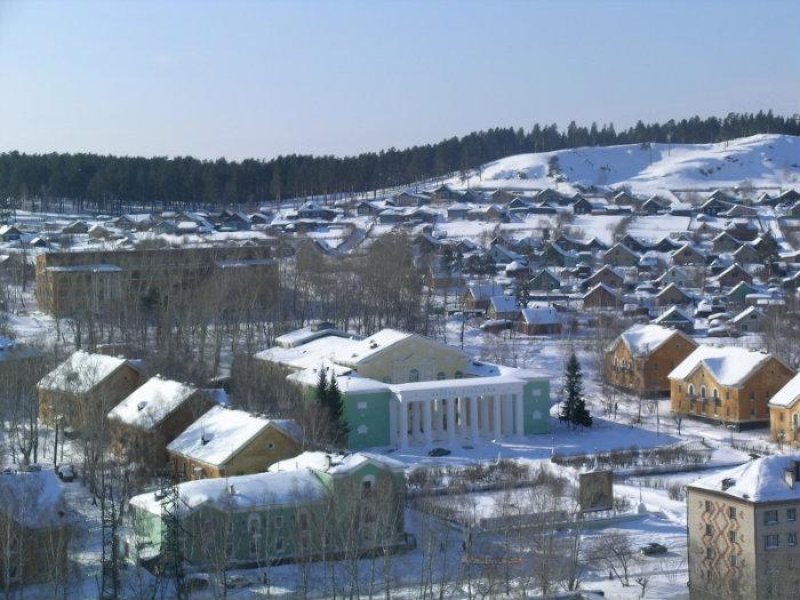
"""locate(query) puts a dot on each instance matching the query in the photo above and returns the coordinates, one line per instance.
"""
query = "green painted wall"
(367, 416)
(536, 402)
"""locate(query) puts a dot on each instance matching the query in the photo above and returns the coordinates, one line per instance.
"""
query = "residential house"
(503, 307)
(742, 531)
(9, 233)
(732, 276)
(728, 385)
(314, 211)
(539, 320)
(675, 318)
(606, 275)
(747, 254)
(619, 255)
(225, 442)
(479, 293)
(688, 255)
(83, 388)
(36, 529)
(458, 211)
(152, 416)
(640, 359)
(750, 320)
(76, 227)
(601, 297)
(673, 295)
(737, 296)
(554, 255)
(316, 506)
(544, 280)
(724, 242)
(784, 413)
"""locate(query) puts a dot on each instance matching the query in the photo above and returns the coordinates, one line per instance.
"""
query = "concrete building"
(743, 528)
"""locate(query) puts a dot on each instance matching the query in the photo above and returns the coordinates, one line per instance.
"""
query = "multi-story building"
(71, 283)
(784, 413)
(727, 385)
(640, 359)
(743, 528)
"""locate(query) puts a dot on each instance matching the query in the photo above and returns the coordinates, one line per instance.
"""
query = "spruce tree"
(322, 386)
(336, 408)
(573, 409)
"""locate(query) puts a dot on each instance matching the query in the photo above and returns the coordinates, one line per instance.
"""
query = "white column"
(451, 421)
(427, 422)
(415, 422)
(519, 415)
(508, 415)
(496, 418)
(403, 413)
(473, 419)
(485, 415)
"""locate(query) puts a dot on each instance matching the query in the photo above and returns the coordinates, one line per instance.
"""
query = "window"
(791, 514)
(709, 553)
(413, 375)
(771, 541)
(254, 532)
(708, 505)
(278, 545)
(791, 539)
(715, 395)
(691, 389)
(732, 512)
(709, 530)
(733, 560)
(441, 375)
(459, 375)
(732, 536)
(703, 392)
(367, 486)
(770, 517)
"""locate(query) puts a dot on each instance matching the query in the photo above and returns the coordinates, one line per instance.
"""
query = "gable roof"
(221, 433)
(788, 395)
(81, 372)
(729, 365)
(151, 403)
(760, 480)
(673, 314)
(541, 315)
(645, 339)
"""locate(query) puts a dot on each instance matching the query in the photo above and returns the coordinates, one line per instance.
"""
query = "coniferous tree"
(336, 409)
(573, 408)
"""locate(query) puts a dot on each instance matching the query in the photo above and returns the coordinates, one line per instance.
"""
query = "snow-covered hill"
(762, 161)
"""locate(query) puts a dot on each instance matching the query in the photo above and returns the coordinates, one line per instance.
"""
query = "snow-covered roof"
(242, 492)
(318, 352)
(760, 480)
(221, 433)
(334, 464)
(729, 365)
(647, 338)
(33, 499)
(541, 315)
(298, 337)
(504, 304)
(80, 372)
(378, 342)
(787, 396)
(151, 403)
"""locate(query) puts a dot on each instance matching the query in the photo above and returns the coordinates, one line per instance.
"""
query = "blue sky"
(261, 78)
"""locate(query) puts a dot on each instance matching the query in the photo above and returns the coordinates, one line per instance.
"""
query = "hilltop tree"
(573, 409)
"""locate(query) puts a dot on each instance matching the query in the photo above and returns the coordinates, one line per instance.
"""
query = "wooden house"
(727, 385)
(784, 413)
(619, 255)
(640, 359)
(672, 295)
(36, 530)
(544, 280)
(503, 308)
(732, 276)
(688, 255)
(225, 443)
(553, 255)
(750, 320)
(539, 320)
(479, 293)
(152, 416)
(85, 387)
(601, 297)
(725, 243)
(675, 318)
(605, 275)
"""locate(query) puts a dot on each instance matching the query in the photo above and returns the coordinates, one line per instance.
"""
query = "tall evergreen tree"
(573, 408)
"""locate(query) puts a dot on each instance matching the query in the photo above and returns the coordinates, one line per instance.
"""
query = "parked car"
(236, 581)
(66, 473)
(439, 452)
(654, 549)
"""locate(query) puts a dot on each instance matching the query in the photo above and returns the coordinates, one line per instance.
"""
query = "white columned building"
(456, 411)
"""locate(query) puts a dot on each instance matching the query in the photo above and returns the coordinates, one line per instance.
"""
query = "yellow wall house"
(225, 443)
(784, 413)
(727, 385)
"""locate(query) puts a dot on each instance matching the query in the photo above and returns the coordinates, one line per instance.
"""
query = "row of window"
(771, 517)
(413, 376)
(773, 540)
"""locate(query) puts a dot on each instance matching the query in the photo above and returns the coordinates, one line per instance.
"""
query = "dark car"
(439, 452)
(654, 549)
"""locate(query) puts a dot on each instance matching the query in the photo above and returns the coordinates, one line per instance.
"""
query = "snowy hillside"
(768, 161)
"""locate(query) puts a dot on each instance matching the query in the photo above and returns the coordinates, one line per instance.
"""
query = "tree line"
(117, 183)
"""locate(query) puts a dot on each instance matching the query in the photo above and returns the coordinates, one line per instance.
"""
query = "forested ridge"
(115, 184)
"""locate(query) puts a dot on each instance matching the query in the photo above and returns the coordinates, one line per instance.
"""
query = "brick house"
(784, 413)
(640, 359)
(727, 385)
